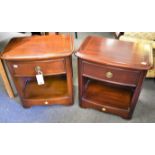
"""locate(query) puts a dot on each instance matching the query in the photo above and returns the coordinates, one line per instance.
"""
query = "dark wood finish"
(53, 56)
(116, 53)
(111, 74)
(55, 90)
(38, 47)
(22, 68)
(55, 86)
(101, 93)
(101, 70)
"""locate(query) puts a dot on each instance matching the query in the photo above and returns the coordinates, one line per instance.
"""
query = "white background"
(79, 16)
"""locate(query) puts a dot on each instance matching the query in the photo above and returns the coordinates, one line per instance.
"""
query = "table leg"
(69, 77)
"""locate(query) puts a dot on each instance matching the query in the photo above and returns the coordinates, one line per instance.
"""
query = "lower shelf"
(54, 87)
(60, 100)
(102, 94)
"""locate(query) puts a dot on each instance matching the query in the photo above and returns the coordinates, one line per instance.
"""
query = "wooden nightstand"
(46, 56)
(111, 74)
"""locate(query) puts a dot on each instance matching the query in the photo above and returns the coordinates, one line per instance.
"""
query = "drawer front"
(111, 74)
(30, 68)
(66, 100)
(108, 109)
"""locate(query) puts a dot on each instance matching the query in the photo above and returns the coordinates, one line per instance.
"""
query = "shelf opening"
(54, 87)
(103, 93)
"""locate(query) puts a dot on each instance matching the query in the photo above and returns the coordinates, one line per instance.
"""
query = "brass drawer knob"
(109, 75)
(38, 70)
(46, 102)
(15, 66)
(103, 109)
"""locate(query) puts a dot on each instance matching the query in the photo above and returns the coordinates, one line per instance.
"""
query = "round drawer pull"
(15, 66)
(46, 102)
(103, 109)
(109, 75)
(38, 70)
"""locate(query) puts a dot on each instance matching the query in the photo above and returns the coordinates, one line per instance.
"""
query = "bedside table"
(41, 68)
(111, 74)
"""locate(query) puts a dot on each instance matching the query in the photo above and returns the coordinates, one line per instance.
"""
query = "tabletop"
(116, 53)
(38, 47)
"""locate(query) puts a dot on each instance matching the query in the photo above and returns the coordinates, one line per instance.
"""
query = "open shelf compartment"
(103, 93)
(54, 87)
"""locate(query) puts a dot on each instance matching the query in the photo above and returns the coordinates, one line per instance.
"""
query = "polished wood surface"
(27, 68)
(110, 75)
(54, 63)
(109, 95)
(55, 86)
(116, 53)
(38, 47)
(99, 72)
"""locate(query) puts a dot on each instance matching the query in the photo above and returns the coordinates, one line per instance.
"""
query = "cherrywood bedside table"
(48, 58)
(111, 74)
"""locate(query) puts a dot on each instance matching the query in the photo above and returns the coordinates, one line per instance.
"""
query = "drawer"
(108, 109)
(20, 69)
(111, 74)
(66, 100)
